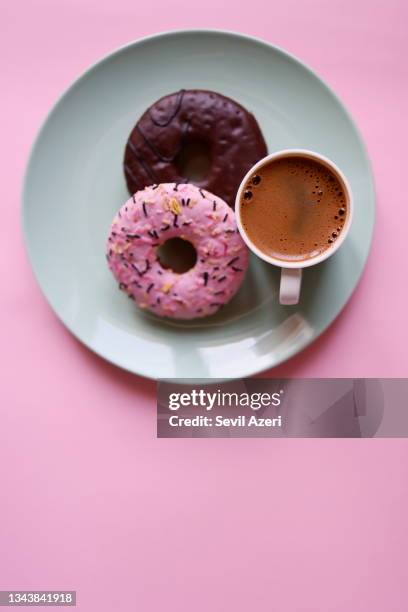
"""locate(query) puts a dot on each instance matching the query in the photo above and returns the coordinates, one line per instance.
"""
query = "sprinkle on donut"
(161, 212)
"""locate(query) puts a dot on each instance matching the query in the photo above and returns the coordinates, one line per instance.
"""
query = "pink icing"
(170, 210)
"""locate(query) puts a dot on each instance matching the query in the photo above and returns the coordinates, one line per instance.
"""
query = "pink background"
(90, 499)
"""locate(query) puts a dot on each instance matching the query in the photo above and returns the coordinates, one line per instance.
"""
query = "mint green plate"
(74, 185)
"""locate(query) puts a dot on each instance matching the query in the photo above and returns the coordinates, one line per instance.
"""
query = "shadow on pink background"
(90, 499)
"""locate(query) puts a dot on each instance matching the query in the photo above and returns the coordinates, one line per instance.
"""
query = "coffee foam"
(294, 208)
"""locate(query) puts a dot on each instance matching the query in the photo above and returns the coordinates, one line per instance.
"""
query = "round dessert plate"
(74, 186)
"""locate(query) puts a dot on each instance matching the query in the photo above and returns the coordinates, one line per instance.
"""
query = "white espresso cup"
(291, 271)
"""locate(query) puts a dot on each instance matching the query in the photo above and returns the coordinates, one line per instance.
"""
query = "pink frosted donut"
(153, 216)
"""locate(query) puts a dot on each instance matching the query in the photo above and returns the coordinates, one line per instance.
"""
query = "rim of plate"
(292, 351)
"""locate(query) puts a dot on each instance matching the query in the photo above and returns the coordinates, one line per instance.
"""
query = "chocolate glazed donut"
(182, 123)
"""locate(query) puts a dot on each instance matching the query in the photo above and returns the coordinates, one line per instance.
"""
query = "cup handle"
(290, 284)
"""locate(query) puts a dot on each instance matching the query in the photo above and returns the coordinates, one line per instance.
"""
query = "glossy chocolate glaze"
(227, 130)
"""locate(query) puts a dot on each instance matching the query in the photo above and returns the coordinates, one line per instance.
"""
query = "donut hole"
(194, 160)
(177, 254)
